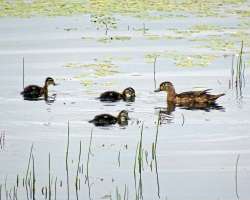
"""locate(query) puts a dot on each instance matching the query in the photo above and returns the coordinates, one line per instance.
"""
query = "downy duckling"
(33, 92)
(107, 119)
(128, 94)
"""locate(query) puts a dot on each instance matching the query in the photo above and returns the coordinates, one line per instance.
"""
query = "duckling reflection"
(107, 119)
(50, 99)
(128, 94)
(35, 92)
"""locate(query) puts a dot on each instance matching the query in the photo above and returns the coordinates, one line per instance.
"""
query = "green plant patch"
(108, 39)
(139, 8)
(192, 60)
(181, 60)
(97, 69)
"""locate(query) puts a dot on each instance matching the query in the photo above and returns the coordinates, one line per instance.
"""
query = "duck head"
(123, 118)
(165, 86)
(128, 94)
(49, 81)
(169, 88)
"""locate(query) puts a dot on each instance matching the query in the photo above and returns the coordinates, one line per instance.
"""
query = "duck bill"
(157, 90)
(56, 84)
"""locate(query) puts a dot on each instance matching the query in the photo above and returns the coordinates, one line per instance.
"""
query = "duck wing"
(110, 96)
(193, 93)
(32, 91)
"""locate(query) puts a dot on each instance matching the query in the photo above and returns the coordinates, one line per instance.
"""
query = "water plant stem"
(67, 167)
(49, 180)
(27, 171)
(34, 179)
(155, 59)
(78, 168)
(88, 160)
(236, 176)
(55, 187)
(23, 72)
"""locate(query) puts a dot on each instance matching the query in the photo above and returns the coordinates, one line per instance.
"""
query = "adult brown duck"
(33, 92)
(190, 98)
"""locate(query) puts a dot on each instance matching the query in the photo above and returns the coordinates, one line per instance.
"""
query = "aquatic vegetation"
(182, 60)
(150, 58)
(135, 8)
(205, 27)
(238, 80)
(104, 21)
(241, 36)
(220, 44)
(113, 38)
(98, 69)
(192, 60)
(153, 37)
(2, 139)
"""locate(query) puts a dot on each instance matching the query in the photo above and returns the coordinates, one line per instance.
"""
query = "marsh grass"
(23, 72)
(2, 140)
(155, 59)
(119, 158)
(66, 162)
(77, 181)
(49, 190)
(33, 179)
(238, 81)
(55, 188)
(88, 160)
(154, 154)
(49, 178)
(138, 163)
(236, 176)
(119, 195)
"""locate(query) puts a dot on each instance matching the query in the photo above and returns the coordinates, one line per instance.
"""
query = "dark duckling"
(189, 99)
(107, 119)
(33, 92)
(128, 94)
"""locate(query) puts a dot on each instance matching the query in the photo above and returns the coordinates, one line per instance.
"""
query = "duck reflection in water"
(166, 113)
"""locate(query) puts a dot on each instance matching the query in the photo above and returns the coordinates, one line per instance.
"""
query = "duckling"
(191, 98)
(128, 94)
(33, 92)
(107, 119)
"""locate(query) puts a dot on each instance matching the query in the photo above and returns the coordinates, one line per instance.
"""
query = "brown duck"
(33, 92)
(190, 98)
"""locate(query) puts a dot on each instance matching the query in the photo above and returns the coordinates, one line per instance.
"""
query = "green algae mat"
(138, 8)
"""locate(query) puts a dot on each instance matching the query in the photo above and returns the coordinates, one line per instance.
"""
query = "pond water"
(197, 150)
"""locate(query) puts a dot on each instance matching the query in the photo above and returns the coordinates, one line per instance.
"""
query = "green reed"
(237, 81)
(66, 162)
(236, 176)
